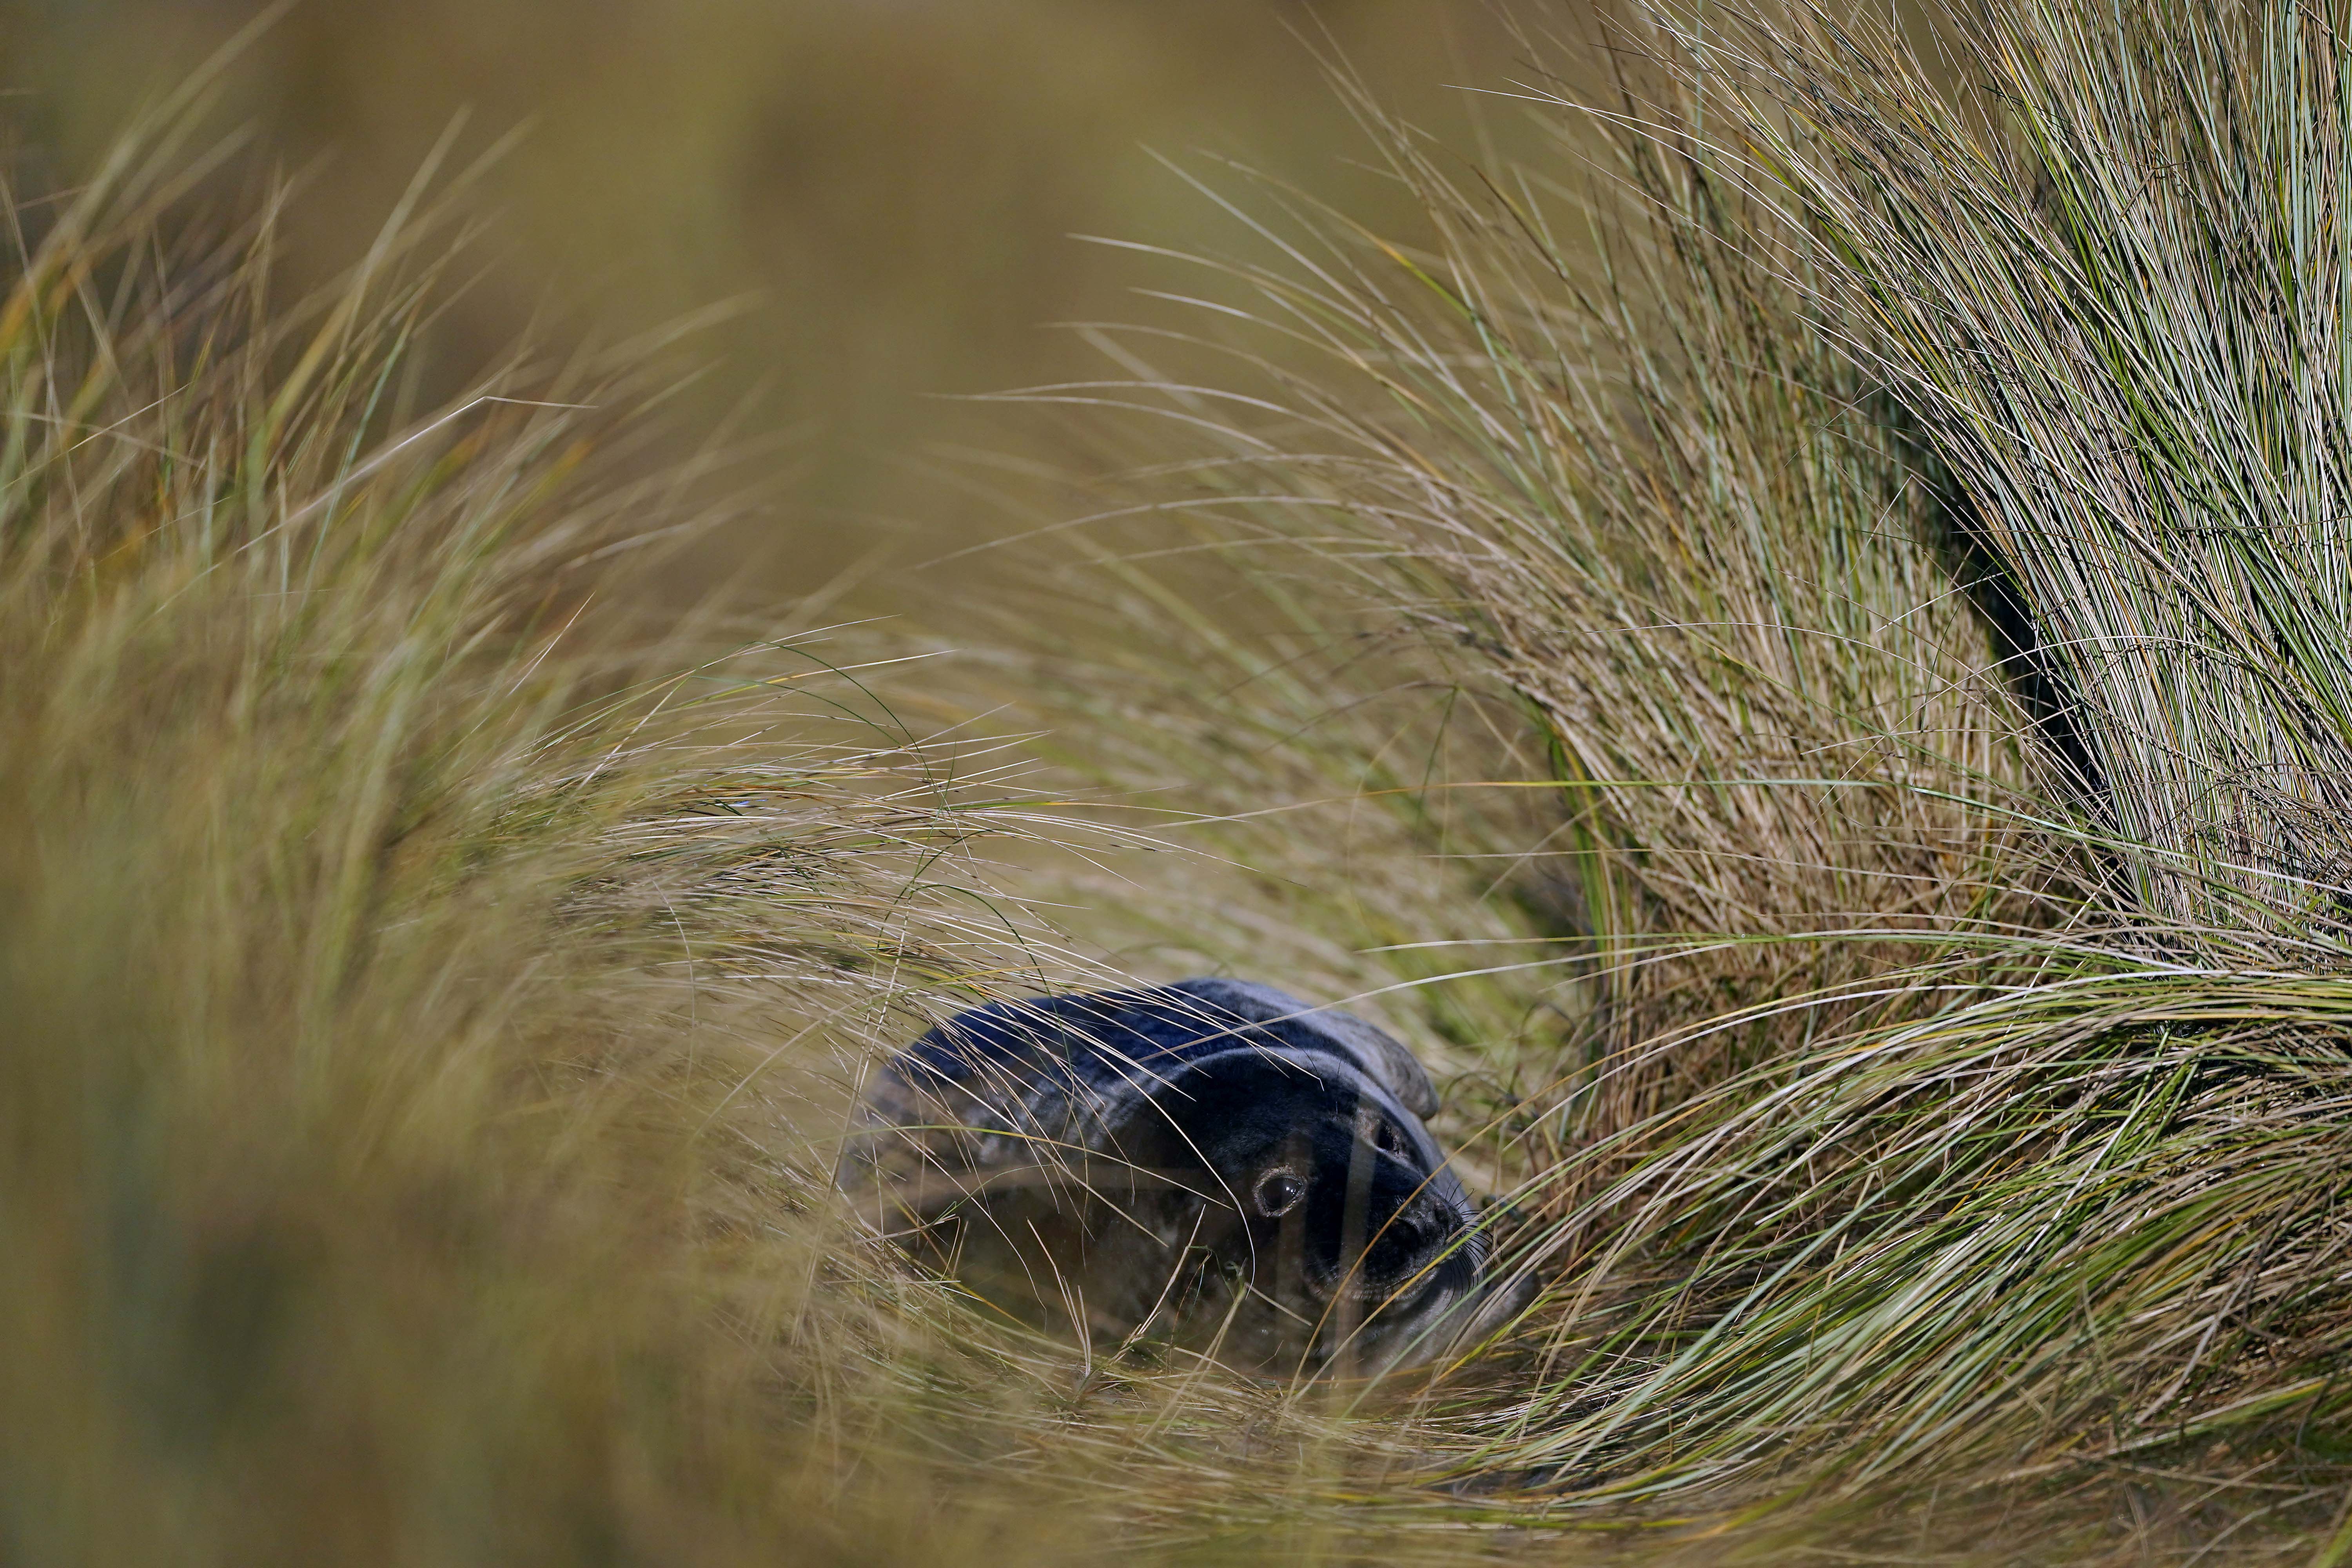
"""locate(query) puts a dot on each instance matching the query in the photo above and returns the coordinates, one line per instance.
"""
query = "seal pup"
(1211, 1162)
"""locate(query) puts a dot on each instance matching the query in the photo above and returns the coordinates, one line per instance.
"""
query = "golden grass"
(432, 1001)
(1915, 538)
(414, 1151)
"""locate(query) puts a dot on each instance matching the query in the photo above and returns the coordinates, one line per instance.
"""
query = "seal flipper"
(1380, 1056)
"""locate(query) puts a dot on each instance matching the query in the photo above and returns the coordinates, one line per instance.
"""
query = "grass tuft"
(1897, 481)
(1801, 657)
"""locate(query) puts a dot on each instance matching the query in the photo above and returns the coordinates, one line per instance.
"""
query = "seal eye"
(1277, 1192)
(1388, 1140)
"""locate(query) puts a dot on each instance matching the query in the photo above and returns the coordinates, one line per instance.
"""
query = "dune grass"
(434, 997)
(1803, 662)
(1899, 482)
(430, 1004)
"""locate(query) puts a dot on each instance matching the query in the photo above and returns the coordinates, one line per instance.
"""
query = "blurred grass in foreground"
(433, 997)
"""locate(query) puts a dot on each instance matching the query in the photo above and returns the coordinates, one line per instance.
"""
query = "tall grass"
(1900, 486)
(429, 1007)
(433, 999)
(1854, 824)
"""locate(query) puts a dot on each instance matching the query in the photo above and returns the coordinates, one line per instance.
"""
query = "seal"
(1213, 1163)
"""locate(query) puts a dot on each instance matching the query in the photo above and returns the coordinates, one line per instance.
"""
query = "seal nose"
(1409, 1239)
(1416, 1230)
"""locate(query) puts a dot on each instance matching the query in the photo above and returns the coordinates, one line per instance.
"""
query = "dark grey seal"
(1212, 1162)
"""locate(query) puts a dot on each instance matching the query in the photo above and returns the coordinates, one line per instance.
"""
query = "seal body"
(1211, 1163)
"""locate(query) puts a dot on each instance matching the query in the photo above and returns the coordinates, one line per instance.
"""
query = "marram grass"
(431, 1007)
(1899, 478)
(1884, 513)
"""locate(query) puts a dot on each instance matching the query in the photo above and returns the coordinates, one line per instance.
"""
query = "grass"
(1801, 659)
(435, 997)
(429, 1009)
(1906, 511)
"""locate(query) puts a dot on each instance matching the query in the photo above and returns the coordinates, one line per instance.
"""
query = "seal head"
(1213, 1163)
